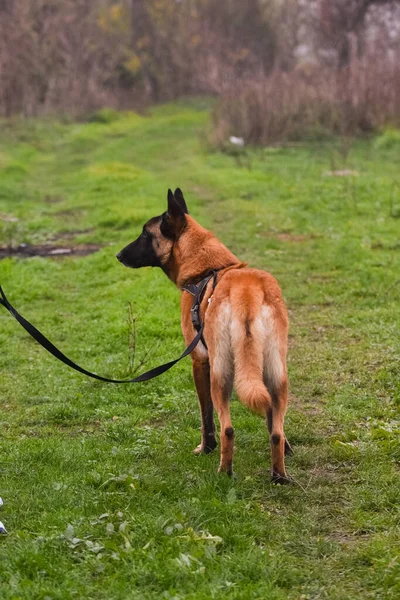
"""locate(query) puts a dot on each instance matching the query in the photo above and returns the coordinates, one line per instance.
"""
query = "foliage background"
(337, 62)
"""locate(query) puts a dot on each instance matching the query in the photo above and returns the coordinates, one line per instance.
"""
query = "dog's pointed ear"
(175, 215)
(170, 198)
(181, 200)
(175, 208)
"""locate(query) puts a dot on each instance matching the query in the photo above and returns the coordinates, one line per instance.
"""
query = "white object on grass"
(236, 141)
(2, 529)
(1, 502)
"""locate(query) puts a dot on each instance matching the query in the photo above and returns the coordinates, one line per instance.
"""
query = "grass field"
(103, 498)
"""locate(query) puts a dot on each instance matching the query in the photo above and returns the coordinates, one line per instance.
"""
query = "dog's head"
(153, 247)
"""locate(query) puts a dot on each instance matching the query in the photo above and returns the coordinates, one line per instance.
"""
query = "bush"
(105, 116)
(389, 138)
(362, 98)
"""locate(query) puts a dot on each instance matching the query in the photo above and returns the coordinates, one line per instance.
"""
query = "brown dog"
(245, 331)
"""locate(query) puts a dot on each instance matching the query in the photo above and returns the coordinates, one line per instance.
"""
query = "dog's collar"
(196, 279)
(198, 288)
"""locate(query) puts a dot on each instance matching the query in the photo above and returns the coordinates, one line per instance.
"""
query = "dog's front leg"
(201, 376)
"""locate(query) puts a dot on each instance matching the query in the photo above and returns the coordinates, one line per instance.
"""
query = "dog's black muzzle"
(139, 253)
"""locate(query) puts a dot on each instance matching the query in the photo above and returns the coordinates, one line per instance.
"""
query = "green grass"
(102, 495)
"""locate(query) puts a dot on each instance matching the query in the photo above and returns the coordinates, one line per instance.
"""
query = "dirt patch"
(295, 401)
(292, 237)
(68, 212)
(321, 277)
(348, 538)
(53, 199)
(69, 235)
(342, 173)
(382, 246)
(47, 250)
(71, 213)
(310, 406)
(286, 236)
(205, 194)
(327, 473)
(8, 218)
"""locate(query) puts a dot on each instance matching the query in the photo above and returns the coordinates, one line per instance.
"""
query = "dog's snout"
(119, 256)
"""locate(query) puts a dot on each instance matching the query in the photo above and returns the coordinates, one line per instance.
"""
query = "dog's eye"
(145, 233)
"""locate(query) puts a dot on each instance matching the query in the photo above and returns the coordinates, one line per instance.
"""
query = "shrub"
(361, 98)
(389, 138)
(105, 115)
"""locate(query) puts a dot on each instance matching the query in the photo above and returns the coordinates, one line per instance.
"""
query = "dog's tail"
(248, 341)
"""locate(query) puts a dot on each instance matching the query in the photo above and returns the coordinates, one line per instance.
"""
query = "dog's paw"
(204, 449)
(226, 469)
(280, 479)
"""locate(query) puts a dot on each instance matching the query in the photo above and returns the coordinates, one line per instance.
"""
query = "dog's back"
(246, 331)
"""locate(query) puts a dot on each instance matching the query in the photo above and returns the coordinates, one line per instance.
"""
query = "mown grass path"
(103, 497)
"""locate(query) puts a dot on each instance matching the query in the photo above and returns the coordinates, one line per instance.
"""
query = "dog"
(245, 328)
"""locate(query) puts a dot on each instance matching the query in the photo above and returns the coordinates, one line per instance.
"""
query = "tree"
(340, 19)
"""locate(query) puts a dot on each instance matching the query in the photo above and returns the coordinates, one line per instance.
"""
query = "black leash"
(39, 337)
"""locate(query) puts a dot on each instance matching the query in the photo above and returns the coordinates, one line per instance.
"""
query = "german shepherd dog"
(245, 327)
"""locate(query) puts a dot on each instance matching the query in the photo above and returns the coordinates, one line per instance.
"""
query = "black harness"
(197, 291)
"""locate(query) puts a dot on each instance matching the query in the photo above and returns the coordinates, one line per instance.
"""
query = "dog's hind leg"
(220, 392)
(201, 376)
(277, 437)
(288, 447)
